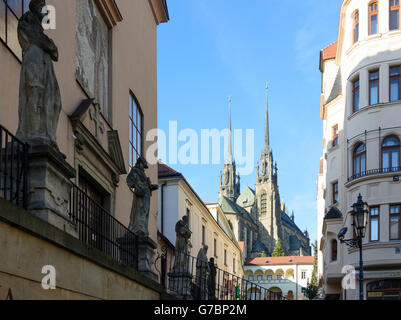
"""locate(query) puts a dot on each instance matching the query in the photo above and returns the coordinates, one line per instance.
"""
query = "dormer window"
(373, 17)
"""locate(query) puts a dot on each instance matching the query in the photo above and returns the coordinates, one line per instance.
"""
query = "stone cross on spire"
(267, 139)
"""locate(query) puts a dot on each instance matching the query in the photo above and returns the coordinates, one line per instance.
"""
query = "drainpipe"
(162, 208)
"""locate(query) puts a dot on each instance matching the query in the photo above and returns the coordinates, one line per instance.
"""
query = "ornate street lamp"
(360, 220)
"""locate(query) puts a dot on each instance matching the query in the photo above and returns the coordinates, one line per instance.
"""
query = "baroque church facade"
(257, 216)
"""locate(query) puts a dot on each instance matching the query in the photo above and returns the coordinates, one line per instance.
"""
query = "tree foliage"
(312, 289)
(278, 250)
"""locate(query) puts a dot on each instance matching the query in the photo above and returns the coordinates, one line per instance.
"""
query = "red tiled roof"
(164, 171)
(330, 51)
(269, 261)
(241, 245)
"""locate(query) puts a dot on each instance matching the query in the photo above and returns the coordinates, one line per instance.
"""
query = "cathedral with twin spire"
(257, 216)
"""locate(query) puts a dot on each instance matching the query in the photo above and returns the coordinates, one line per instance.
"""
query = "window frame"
(359, 155)
(399, 82)
(355, 27)
(215, 247)
(354, 90)
(391, 215)
(371, 217)
(7, 11)
(225, 257)
(394, 8)
(390, 148)
(372, 13)
(334, 250)
(371, 81)
(133, 127)
(203, 235)
(335, 192)
(335, 138)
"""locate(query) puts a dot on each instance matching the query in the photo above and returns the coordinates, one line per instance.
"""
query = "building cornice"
(340, 36)
(110, 12)
(159, 10)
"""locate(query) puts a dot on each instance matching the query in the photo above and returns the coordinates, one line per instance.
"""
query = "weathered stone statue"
(211, 283)
(143, 188)
(39, 93)
(180, 278)
(183, 234)
(202, 267)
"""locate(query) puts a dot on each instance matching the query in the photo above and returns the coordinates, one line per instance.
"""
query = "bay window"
(374, 87)
(359, 160)
(395, 83)
(394, 14)
(374, 223)
(373, 17)
(355, 95)
(395, 216)
(391, 153)
(355, 32)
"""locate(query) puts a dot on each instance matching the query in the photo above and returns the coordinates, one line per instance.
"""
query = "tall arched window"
(355, 31)
(334, 250)
(391, 153)
(359, 158)
(263, 205)
(394, 14)
(373, 17)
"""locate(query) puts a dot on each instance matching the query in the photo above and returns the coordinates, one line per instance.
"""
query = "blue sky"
(212, 49)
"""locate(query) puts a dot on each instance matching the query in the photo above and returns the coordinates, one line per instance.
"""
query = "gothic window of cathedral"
(263, 205)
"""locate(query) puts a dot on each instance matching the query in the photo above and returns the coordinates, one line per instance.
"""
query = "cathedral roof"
(247, 198)
(287, 221)
(229, 206)
(258, 246)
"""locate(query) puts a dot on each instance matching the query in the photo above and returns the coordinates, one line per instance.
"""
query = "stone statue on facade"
(183, 234)
(211, 283)
(39, 93)
(143, 188)
(180, 277)
(202, 268)
(49, 174)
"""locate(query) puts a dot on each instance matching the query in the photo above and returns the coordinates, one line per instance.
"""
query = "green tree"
(312, 289)
(278, 250)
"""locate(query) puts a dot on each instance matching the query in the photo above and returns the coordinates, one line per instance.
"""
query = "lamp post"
(360, 220)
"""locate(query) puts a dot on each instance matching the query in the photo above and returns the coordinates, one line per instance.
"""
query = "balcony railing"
(100, 230)
(195, 279)
(374, 172)
(13, 169)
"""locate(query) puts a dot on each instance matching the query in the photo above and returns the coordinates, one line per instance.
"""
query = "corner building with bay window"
(361, 113)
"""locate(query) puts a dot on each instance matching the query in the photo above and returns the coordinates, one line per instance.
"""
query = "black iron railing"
(13, 169)
(98, 229)
(192, 279)
(374, 172)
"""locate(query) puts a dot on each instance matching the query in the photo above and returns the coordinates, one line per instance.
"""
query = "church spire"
(267, 139)
(230, 146)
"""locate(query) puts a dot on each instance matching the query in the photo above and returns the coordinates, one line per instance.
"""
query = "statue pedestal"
(128, 250)
(49, 186)
(180, 285)
(146, 252)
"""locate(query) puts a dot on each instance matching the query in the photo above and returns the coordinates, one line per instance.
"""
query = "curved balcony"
(376, 172)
